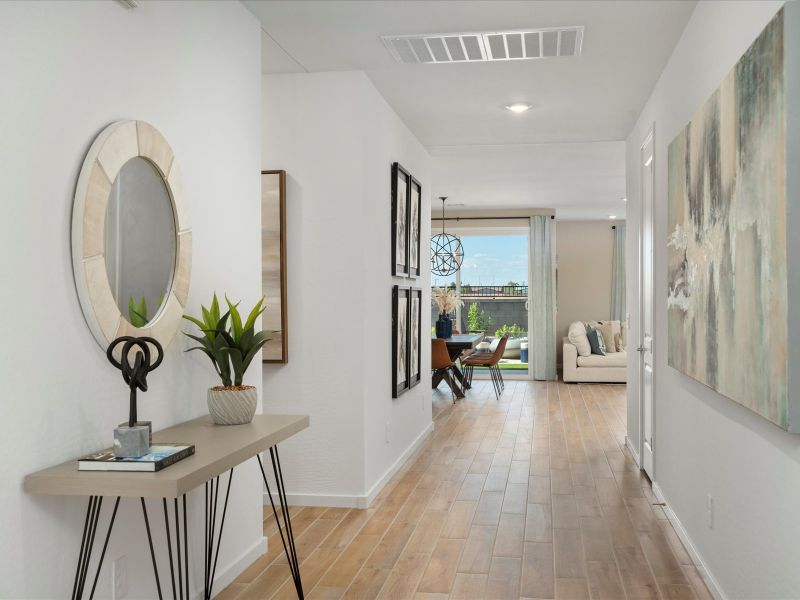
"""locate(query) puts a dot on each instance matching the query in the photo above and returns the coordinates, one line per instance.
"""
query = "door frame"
(649, 139)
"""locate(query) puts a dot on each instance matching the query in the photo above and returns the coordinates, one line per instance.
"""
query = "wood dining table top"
(463, 341)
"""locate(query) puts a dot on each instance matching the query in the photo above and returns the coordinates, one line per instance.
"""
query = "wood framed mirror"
(131, 240)
(273, 265)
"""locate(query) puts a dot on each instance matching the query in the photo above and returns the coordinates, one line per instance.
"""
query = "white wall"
(336, 138)
(585, 250)
(68, 70)
(705, 443)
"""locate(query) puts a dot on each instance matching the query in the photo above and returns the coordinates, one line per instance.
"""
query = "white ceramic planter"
(512, 347)
(232, 406)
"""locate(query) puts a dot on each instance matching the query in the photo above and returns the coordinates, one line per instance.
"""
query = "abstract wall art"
(400, 202)
(727, 237)
(401, 297)
(414, 228)
(415, 337)
(406, 223)
(273, 265)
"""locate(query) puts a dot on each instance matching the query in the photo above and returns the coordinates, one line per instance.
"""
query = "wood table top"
(464, 341)
(218, 448)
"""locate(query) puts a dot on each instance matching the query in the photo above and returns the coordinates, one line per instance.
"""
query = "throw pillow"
(577, 337)
(616, 329)
(605, 329)
(595, 340)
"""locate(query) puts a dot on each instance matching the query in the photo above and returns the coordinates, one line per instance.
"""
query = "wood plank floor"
(532, 496)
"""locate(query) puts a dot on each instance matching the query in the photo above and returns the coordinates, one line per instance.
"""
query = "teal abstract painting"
(727, 257)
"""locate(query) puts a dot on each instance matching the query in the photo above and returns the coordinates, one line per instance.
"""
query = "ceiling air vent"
(485, 46)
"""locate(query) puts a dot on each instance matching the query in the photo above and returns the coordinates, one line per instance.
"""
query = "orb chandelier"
(447, 253)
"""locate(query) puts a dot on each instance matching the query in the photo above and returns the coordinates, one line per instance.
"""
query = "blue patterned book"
(160, 457)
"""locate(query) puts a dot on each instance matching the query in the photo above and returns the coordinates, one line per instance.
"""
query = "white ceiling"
(593, 98)
(579, 180)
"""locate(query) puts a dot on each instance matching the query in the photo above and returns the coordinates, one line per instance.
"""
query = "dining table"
(456, 344)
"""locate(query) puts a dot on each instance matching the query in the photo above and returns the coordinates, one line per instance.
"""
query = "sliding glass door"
(493, 283)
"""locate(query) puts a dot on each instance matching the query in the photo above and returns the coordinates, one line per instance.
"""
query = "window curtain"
(542, 338)
(618, 275)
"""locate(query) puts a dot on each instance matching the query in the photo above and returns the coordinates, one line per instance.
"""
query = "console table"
(218, 448)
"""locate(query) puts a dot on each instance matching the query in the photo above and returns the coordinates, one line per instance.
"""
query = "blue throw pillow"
(594, 340)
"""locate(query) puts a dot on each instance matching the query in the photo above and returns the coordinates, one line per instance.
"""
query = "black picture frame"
(415, 337)
(401, 193)
(400, 344)
(414, 228)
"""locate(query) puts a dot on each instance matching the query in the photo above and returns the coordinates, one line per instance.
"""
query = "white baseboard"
(634, 451)
(384, 479)
(331, 500)
(355, 500)
(228, 574)
(705, 573)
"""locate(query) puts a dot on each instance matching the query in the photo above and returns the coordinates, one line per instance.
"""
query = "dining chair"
(490, 361)
(442, 363)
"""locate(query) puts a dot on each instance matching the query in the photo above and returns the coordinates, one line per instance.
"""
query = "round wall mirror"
(131, 243)
(139, 241)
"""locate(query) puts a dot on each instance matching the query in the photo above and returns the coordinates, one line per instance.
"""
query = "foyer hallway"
(531, 496)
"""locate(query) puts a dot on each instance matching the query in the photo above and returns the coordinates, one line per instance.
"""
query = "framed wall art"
(415, 337)
(400, 331)
(414, 228)
(401, 180)
(273, 265)
(729, 221)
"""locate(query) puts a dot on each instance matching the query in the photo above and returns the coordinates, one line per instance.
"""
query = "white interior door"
(645, 349)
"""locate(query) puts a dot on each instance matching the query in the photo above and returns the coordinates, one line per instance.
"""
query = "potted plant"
(446, 301)
(231, 348)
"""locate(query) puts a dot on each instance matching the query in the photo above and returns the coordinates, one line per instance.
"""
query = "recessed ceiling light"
(612, 217)
(518, 107)
(624, 199)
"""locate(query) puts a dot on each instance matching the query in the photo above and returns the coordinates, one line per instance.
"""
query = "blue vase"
(444, 327)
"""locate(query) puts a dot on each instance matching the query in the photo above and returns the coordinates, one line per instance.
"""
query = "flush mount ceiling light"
(612, 217)
(519, 107)
(482, 46)
(447, 253)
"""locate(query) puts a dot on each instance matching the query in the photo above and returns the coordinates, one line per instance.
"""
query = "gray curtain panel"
(542, 338)
(618, 275)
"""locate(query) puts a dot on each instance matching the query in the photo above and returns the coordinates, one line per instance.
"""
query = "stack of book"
(160, 457)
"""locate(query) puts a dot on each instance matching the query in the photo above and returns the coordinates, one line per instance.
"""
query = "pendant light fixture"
(447, 253)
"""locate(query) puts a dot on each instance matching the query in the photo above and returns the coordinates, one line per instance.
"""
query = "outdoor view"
(493, 285)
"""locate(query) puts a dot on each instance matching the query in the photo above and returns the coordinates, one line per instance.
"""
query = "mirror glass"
(140, 241)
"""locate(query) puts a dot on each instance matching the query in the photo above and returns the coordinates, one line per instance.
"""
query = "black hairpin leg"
(87, 545)
(288, 539)
(212, 554)
(152, 551)
(181, 590)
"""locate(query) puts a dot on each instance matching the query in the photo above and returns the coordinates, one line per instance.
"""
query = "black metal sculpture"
(135, 375)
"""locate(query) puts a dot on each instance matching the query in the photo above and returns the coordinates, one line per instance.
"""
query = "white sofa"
(594, 368)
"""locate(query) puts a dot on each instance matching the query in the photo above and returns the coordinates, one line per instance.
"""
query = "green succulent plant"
(137, 311)
(230, 346)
